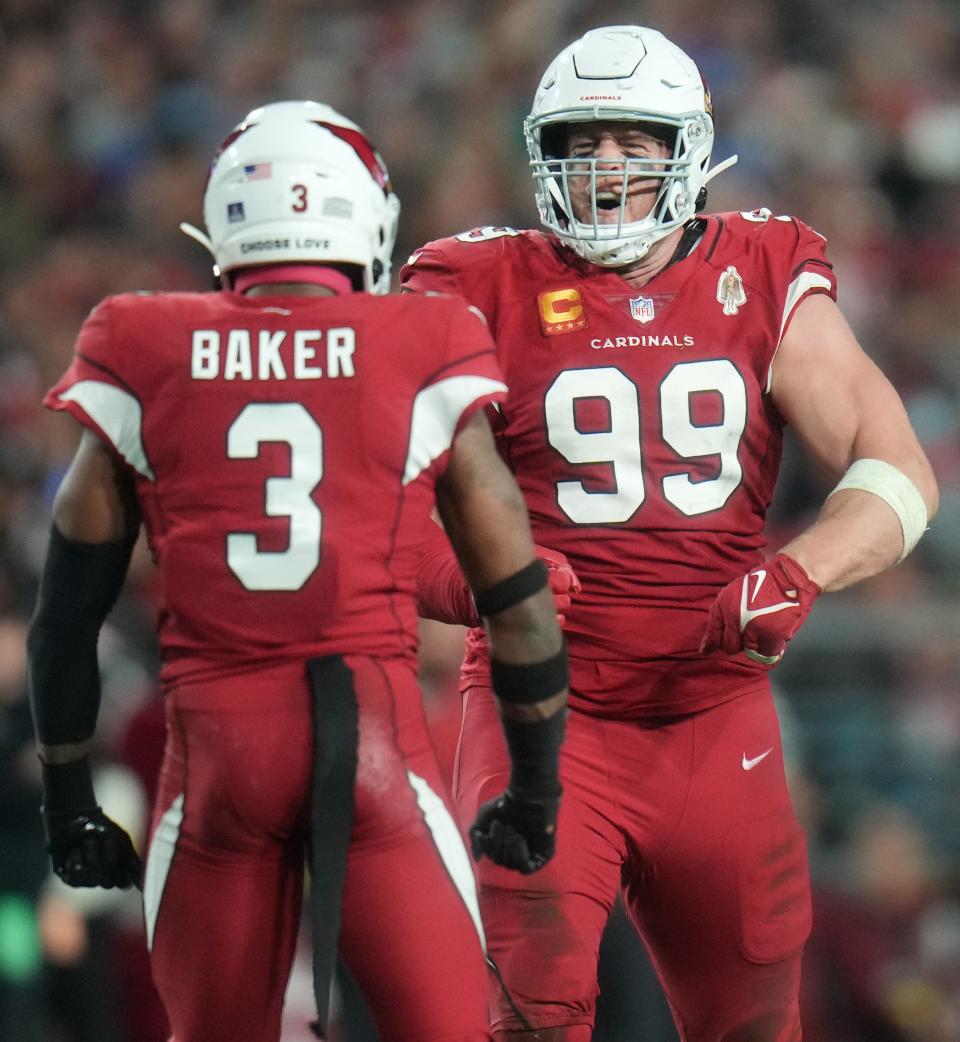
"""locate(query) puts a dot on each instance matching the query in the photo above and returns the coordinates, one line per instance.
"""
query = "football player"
(654, 354)
(280, 441)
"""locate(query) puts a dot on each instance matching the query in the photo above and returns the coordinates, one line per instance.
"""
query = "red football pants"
(225, 871)
(690, 818)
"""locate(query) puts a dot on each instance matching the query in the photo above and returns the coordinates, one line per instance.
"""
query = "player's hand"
(88, 849)
(516, 833)
(759, 612)
(561, 577)
(563, 584)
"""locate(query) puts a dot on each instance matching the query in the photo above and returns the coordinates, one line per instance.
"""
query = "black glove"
(515, 832)
(86, 847)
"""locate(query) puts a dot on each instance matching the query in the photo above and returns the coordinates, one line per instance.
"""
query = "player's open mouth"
(609, 209)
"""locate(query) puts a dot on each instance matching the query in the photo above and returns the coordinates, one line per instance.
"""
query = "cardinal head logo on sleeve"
(730, 291)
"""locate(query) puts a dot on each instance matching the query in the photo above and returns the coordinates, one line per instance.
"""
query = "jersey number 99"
(620, 445)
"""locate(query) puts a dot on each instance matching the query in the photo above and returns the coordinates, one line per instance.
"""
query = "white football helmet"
(631, 74)
(296, 182)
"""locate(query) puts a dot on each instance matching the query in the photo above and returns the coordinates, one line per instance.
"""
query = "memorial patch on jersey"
(730, 291)
(561, 311)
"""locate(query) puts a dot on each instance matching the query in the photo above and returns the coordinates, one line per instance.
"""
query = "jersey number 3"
(289, 496)
(620, 447)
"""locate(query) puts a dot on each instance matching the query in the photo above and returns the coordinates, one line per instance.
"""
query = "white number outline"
(284, 496)
(709, 494)
(618, 505)
(486, 233)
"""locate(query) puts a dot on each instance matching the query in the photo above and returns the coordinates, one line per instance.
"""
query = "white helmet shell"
(631, 74)
(296, 182)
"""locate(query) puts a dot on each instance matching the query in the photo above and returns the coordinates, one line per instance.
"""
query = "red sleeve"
(442, 591)
(427, 271)
(97, 392)
(810, 271)
(472, 343)
(470, 265)
(92, 358)
(468, 380)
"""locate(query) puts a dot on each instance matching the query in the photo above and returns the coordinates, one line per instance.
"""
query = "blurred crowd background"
(847, 115)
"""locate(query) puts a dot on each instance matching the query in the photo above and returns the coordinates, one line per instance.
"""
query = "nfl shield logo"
(235, 212)
(641, 308)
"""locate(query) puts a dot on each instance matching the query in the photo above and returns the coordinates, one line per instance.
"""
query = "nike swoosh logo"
(748, 764)
(747, 615)
(760, 574)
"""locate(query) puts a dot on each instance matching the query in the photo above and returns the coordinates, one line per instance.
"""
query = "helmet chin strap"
(196, 234)
(204, 240)
(712, 172)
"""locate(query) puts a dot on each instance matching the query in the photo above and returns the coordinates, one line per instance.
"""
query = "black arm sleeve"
(79, 586)
(535, 756)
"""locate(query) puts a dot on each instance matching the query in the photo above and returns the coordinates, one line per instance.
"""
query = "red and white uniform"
(285, 451)
(640, 429)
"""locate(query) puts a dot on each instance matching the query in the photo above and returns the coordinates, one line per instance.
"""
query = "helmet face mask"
(620, 74)
(298, 183)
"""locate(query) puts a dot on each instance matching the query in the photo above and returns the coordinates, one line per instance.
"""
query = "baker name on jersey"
(242, 354)
(649, 340)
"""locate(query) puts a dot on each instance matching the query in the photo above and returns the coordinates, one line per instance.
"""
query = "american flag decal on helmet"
(258, 171)
(369, 156)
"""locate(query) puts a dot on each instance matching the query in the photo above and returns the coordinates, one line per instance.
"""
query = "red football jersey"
(640, 430)
(285, 451)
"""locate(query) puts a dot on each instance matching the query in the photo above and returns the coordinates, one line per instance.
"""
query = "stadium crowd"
(845, 115)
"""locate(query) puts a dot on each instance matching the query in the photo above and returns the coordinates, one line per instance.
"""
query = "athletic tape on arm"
(515, 588)
(896, 490)
(532, 681)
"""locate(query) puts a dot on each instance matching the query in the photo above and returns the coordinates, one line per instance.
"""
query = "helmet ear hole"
(701, 199)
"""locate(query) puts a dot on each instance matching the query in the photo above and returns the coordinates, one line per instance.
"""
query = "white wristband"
(896, 490)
